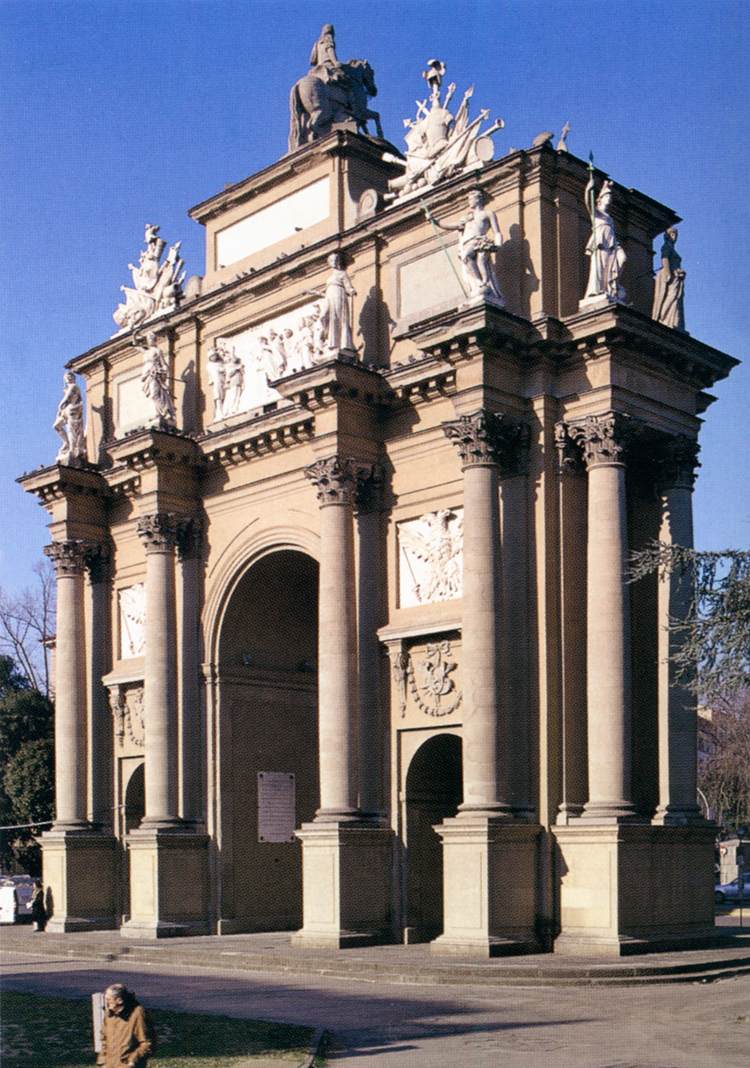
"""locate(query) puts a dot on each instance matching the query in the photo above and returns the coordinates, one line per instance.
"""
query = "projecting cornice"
(57, 482)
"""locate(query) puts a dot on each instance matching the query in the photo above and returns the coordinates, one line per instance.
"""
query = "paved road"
(398, 1026)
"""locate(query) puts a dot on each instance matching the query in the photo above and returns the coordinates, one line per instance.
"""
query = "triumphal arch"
(345, 641)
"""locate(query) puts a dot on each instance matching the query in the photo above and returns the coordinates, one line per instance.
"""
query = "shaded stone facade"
(398, 579)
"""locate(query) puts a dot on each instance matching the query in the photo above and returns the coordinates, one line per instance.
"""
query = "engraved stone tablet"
(276, 803)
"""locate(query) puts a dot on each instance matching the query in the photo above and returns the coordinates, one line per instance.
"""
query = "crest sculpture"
(439, 143)
(157, 285)
(331, 95)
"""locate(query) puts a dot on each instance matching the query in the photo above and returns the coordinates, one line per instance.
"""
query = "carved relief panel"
(132, 621)
(426, 681)
(126, 704)
(430, 558)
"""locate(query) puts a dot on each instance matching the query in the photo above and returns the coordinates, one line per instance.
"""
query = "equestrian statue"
(332, 95)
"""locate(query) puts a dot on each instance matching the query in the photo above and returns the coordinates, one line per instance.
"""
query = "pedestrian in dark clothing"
(38, 911)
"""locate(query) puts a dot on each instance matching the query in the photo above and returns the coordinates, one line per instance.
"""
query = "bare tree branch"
(26, 622)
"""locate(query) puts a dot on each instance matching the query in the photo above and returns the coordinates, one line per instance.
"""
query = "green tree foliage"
(27, 760)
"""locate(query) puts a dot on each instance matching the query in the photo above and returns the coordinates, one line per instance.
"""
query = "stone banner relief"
(133, 621)
(430, 555)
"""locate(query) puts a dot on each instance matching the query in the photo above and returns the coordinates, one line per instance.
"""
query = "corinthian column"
(335, 480)
(677, 704)
(483, 440)
(608, 668)
(159, 535)
(69, 558)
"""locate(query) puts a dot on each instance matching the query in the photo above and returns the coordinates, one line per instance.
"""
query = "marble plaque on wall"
(430, 557)
(430, 282)
(276, 806)
(132, 621)
(132, 407)
(270, 225)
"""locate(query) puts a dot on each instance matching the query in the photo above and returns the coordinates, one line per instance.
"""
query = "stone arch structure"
(264, 682)
(433, 792)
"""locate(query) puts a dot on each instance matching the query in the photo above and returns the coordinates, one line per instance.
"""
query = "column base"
(490, 887)
(168, 884)
(79, 880)
(346, 884)
(634, 888)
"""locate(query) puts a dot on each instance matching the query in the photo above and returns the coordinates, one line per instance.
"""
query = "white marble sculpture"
(69, 423)
(217, 378)
(607, 256)
(336, 318)
(669, 288)
(274, 349)
(562, 144)
(480, 238)
(133, 621)
(431, 558)
(155, 382)
(438, 143)
(157, 284)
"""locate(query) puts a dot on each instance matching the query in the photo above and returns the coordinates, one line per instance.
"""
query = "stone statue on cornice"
(333, 95)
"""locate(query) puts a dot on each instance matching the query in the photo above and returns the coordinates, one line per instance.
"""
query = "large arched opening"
(267, 671)
(434, 788)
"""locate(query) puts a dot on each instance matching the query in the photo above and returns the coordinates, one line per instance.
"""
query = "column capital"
(71, 556)
(678, 462)
(189, 538)
(159, 531)
(487, 438)
(337, 479)
(602, 438)
(97, 562)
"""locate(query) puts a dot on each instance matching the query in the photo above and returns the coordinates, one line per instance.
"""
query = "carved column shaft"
(483, 440)
(70, 686)
(677, 704)
(159, 535)
(335, 481)
(191, 787)
(608, 660)
(101, 797)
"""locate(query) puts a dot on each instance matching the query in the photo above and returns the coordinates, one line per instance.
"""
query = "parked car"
(731, 891)
(24, 887)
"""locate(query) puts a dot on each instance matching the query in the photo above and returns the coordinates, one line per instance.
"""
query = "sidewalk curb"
(317, 1047)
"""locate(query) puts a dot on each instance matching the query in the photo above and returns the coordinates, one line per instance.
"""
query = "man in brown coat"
(127, 1035)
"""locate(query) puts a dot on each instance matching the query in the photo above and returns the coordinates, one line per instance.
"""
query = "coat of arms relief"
(430, 553)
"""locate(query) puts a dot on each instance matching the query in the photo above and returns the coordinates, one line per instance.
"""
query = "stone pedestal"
(79, 880)
(489, 866)
(346, 885)
(168, 884)
(629, 888)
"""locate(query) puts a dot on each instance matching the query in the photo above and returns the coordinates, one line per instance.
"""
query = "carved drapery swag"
(489, 438)
(428, 677)
(72, 556)
(603, 439)
(338, 479)
(126, 705)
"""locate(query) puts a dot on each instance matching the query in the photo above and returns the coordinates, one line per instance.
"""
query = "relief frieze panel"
(430, 557)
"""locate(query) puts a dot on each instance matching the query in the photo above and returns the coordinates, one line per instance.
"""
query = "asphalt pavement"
(696, 1025)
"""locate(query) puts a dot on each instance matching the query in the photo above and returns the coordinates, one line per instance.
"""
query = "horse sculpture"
(316, 105)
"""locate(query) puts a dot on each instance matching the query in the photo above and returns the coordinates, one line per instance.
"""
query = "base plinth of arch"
(346, 885)
(79, 879)
(168, 884)
(489, 866)
(632, 888)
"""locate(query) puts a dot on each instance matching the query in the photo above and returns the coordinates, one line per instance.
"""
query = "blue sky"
(118, 113)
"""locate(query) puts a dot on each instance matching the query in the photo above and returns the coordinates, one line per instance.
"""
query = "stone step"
(703, 967)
